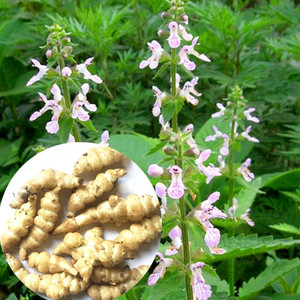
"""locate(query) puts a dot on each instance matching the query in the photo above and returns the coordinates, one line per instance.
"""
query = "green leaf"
(88, 124)
(267, 277)
(295, 196)
(136, 147)
(65, 126)
(240, 246)
(284, 181)
(246, 196)
(9, 152)
(212, 278)
(286, 228)
(12, 296)
(169, 288)
(156, 148)
(161, 70)
(168, 110)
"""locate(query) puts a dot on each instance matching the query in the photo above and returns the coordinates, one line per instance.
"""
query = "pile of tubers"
(95, 264)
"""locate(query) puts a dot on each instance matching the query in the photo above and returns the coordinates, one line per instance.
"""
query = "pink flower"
(212, 237)
(155, 170)
(182, 31)
(105, 138)
(188, 50)
(160, 270)
(161, 192)
(232, 209)
(220, 112)
(164, 126)
(185, 19)
(66, 72)
(201, 290)
(188, 89)
(248, 116)
(42, 71)
(82, 68)
(175, 234)
(160, 96)
(153, 60)
(215, 136)
(176, 188)
(52, 126)
(71, 138)
(243, 169)
(246, 217)
(225, 147)
(80, 101)
(174, 39)
(49, 53)
(193, 146)
(55, 91)
(246, 135)
(207, 211)
(188, 128)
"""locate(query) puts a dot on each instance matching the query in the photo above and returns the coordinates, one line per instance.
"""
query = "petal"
(175, 232)
(205, 155)
(155, 170)
(214, 197)
(89, 61)
(35, 115)
(160, 190)
(96, 79)
(85, 88)
(52, 127)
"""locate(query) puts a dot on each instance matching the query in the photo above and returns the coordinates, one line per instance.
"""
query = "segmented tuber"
(104, 182)
(43, 222)
(55, 286)
(140, 233)
(18, 226)
(47, 263)
(91, 250)
(96, 158)
(115, 210)
(106, 292)
(46, 179)
(110, 275)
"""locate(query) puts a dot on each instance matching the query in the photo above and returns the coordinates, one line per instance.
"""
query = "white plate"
(63, 158)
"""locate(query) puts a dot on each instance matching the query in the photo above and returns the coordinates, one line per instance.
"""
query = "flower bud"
(166, 16)
(67, 39)
(49, 53)
(66, 72)
(169, 150)
(192, 152)
(163, 33)
(184, 19)
(155, 170)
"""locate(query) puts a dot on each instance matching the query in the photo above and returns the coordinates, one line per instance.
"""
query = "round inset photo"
(80, 221)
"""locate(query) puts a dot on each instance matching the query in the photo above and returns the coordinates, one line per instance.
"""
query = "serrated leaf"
(169, 288)
(267, 277)
(168, 110)
(88, 124)
(65, 126)
(156, 148)
(135, 147)
(286, 228)
(241, 245)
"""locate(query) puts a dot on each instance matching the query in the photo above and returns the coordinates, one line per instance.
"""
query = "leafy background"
(255, 44)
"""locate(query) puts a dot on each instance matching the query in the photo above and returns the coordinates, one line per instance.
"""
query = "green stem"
(231, 263)
(66, 93)
(178, 161)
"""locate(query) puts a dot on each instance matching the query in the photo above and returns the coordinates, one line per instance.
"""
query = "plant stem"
(178, 161)
(231, 261)
(66, 93)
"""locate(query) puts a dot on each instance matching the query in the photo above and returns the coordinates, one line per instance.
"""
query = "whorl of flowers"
(59, 52)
